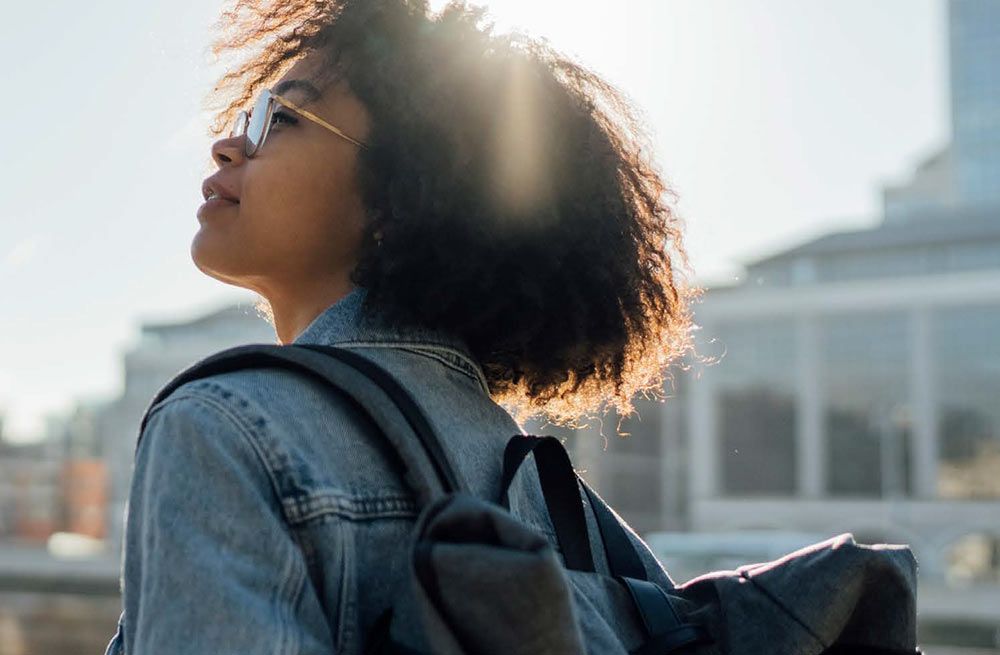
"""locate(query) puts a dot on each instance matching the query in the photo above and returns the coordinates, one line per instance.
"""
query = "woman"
(471, 211)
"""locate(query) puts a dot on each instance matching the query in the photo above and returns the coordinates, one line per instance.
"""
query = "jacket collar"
(343, 322)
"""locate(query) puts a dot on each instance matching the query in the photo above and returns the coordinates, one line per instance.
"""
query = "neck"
(293, 312)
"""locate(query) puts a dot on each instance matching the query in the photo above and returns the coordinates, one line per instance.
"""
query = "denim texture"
(265, 515)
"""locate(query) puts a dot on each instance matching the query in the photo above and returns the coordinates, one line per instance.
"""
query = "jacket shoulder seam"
(198, 394)
(428, 350)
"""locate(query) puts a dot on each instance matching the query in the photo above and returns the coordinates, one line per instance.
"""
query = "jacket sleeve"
(210, 565)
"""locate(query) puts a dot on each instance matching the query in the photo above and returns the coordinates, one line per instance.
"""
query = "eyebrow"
(307, 87)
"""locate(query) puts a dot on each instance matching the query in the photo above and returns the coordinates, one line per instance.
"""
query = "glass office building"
(974, 64)
(965, 173)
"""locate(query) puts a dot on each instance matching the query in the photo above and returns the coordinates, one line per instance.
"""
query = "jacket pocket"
(328, 545)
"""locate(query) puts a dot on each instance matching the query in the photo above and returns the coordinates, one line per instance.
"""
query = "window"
(865, 382)
(967, 356)
(974, 559)
(755, 404)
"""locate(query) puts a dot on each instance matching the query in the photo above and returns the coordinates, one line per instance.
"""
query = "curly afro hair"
(516, 206)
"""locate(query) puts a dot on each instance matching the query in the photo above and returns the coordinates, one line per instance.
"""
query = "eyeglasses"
(256, 124)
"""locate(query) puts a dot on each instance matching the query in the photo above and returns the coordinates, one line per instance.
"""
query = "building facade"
(974, 53)
(30, 501)
(848, 391)
(965, 172)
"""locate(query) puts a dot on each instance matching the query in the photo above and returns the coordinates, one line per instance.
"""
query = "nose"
(228, 151)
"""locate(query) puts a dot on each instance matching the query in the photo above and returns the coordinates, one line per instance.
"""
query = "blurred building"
(57, 484)
(974, 49)
(965, 173)
(855, 377)
(84, 488)
(30, 502)
(855, 389)
(851, 385)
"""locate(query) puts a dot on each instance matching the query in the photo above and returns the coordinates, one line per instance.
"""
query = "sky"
(775, 121)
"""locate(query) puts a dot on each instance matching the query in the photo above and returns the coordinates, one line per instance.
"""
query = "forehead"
(308, 80)
(303, 89)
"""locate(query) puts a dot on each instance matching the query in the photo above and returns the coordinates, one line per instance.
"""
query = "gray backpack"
(482, 581)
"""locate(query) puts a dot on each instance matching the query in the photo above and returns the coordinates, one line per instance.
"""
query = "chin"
(211, 262)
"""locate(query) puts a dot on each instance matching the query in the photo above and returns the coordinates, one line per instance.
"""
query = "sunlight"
(517, 14)
(568, 26)
(520, 172)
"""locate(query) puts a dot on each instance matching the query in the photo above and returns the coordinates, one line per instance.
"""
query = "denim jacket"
(264, 515)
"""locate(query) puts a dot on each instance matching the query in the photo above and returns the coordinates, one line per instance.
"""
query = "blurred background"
(838, 170)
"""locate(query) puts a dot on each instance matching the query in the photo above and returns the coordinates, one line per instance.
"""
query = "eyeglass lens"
(258, 122)
(239, 124)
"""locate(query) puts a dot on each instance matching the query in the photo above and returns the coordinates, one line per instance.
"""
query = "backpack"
(481, 580)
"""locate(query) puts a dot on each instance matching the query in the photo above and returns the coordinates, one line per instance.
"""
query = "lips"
(214, 187)
(218, 197)
(214, 205)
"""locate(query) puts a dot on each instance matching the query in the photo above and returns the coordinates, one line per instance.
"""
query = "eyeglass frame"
(242, 122)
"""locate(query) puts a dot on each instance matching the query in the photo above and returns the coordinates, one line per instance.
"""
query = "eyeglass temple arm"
(316, 119)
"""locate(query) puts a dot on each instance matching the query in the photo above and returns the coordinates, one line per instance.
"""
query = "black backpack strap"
(514, 455)
(663, 624)
(562, 498)
(623, 560)
(427, 469)
(665, 630)
(559, 484)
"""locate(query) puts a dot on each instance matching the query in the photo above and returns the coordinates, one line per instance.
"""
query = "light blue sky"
(775, 120)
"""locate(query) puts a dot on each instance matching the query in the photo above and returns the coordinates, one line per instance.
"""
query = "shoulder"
(310, 438)
(268, 408)
(216, 407)
(199, 413)
(256, 399)
(193, 446)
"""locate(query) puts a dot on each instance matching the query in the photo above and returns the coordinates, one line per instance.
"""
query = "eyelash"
(288, 118)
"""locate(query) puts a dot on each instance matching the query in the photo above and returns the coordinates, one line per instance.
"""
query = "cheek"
(307, 206)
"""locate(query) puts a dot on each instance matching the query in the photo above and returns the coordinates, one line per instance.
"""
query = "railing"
(36, 570)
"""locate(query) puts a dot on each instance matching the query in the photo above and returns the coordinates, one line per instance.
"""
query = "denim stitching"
(296, 509)
(471, 369)
(253, 438)
(287, 594)
(275, 459)
(459, 366)
(347, 598)
(302, 509)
